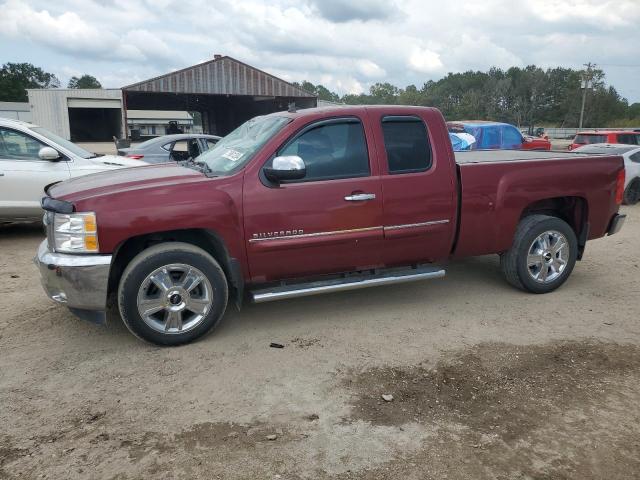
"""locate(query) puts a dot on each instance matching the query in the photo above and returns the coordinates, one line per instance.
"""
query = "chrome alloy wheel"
(174, 298)
(548, 256)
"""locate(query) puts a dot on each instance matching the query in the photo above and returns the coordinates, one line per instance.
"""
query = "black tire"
(514, 262)
(632, 193)
(156, 257)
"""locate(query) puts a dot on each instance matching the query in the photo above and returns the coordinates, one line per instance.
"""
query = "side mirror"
(286, 168)
(48, 153)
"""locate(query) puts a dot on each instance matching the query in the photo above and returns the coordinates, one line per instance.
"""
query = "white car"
(32, 158)
(631, 155)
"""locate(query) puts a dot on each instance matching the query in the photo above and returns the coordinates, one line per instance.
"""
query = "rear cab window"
(406, 144)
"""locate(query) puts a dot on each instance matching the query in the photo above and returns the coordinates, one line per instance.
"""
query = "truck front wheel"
(172, 293)
(542, 256)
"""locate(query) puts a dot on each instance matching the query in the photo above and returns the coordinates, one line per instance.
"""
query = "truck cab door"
(23, 175)
(327, 222)
(420, 188)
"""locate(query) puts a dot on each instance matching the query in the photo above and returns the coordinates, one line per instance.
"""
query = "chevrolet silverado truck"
(314, 201)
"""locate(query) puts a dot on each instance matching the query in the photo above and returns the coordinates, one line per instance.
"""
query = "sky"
(345, 45)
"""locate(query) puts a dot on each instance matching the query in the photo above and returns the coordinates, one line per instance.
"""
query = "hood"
(122, 179)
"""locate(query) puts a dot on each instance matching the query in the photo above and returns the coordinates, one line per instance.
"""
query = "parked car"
(631, 156)
(496, 135)
(605, 136)
(170, 148)
(320, 200)
(31, 157)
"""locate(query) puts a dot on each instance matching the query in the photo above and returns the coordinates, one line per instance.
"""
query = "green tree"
(85, 81)
(322, 92)
(526, 96)
(15, 78)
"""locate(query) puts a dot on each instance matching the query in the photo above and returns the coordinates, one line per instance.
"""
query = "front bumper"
(616, 223)
(78, 281)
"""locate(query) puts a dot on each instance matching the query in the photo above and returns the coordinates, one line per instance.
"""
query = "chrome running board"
(350, 282)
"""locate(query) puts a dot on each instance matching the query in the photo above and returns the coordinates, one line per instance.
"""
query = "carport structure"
(224, 90)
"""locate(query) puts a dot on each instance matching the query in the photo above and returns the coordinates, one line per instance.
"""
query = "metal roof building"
(224, 90)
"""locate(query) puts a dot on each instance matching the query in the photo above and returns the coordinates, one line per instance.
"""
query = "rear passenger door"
(419, 186)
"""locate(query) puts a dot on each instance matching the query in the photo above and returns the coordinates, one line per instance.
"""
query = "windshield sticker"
(232, 155)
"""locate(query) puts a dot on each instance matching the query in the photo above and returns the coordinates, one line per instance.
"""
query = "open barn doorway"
(95, 124)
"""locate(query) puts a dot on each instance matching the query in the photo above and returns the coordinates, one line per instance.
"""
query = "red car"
(605, 136)
(321, 200)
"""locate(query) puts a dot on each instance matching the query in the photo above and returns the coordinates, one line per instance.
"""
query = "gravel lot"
(487, 382)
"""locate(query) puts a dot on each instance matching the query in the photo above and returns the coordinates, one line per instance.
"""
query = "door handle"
(360, 197)
(1, 174)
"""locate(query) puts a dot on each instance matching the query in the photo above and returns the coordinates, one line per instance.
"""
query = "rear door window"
(406, 143)
(331, 150)
(185, 149)
(588, 139)
(628, 138)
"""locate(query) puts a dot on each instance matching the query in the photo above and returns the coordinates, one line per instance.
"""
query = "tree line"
(15, 78)
(522, 96)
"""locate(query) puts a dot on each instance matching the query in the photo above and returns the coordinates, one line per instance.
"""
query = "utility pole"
(585, 84)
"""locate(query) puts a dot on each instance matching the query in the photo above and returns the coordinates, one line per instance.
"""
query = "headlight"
(75, 232)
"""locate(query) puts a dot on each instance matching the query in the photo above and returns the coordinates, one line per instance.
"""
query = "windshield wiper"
(200, 166)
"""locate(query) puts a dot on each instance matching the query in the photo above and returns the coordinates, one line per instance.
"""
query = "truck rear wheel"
(542, 256)
(172, 293)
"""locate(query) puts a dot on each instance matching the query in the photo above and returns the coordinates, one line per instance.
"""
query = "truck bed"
(497, 186)
(486, 156)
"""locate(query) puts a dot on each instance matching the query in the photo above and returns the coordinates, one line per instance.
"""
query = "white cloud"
(425, 61)
(370, 69)
(72, 34)
(344, 45)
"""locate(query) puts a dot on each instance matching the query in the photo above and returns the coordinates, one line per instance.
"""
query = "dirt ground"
(487, 382)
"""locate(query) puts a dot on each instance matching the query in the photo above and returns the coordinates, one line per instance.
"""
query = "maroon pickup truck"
(320, 200)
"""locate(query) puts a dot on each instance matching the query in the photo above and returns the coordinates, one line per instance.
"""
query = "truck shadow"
(24, 230)
(465, 282)
(465, 279)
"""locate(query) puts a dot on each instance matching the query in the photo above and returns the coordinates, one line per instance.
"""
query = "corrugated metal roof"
(221, 76)
(159, 115)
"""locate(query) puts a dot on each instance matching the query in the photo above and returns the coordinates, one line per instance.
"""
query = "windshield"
(233, 152)
(72, 147)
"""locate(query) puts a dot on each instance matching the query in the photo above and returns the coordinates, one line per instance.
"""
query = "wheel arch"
(206, 239)
(572, 209)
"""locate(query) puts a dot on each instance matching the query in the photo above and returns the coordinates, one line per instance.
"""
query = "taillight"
(135, 157)
(620, 187)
